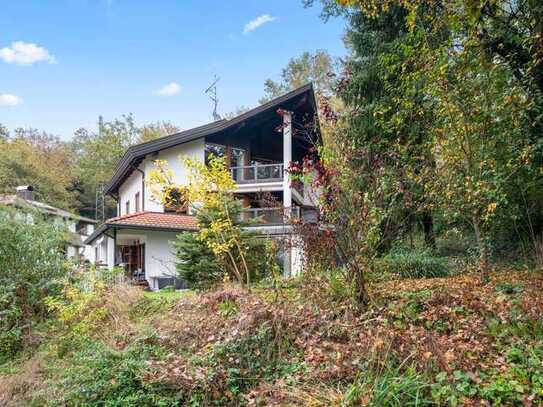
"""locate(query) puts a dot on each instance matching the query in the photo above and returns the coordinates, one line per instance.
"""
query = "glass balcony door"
(237, 162)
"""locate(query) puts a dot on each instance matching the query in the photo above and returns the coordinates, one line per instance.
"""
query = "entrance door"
(133, 258)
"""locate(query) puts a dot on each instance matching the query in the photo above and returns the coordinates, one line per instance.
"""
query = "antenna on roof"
(212, 90)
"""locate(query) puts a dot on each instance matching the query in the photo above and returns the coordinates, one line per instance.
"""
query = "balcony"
(278, 215)
(258, 173)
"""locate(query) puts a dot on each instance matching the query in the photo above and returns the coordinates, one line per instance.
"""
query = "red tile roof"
(156, 220)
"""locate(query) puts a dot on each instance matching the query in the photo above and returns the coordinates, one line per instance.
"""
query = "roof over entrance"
(166, 222)
(301, 100)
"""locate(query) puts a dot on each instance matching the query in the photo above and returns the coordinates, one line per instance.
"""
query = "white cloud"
(257, 22)
(171, 89)
(25, 53)
(9, 100)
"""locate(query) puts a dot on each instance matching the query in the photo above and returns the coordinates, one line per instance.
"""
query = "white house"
(79, 227)
(258, 145)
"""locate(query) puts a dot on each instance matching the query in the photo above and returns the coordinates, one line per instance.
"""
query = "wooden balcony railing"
(247, 174)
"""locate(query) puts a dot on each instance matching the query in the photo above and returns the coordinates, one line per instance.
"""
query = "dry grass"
(15, 388)
(120, 326)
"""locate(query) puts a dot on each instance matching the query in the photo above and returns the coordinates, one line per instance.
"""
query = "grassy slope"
(429, 341)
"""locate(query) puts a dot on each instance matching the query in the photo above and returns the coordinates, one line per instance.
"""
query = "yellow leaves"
(207, 183)
(160, 182)
(491, 208)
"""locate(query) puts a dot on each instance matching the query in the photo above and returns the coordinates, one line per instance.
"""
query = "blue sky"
(64, 62)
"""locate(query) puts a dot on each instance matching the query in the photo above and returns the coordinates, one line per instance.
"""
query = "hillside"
(442, 341)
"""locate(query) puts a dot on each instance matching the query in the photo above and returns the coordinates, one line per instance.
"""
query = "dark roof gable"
(135, 154)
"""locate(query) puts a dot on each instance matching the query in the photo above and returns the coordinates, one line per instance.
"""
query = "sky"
(65, 62)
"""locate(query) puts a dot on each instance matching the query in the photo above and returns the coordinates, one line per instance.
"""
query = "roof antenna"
(212, 90)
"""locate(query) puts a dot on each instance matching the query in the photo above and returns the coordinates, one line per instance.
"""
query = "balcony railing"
(278, 215)
(247, 174)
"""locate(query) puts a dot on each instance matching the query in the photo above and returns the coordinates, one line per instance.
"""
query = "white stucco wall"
(159, 256)
(128, 191)
(194, 149)
(88, 250)
(105, 255)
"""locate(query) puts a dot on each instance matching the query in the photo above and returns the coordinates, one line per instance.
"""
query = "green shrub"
(97, 375)
(81, 307)
(413, 264)
(196, 263)
(32, 265)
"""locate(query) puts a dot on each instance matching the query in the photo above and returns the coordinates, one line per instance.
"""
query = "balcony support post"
(287, 158)
(287, 192)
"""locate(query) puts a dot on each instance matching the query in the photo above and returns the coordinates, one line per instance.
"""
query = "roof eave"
(107, 226)
(139, 151)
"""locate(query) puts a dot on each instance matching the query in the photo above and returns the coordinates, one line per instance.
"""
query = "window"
(214, 149)
(237, 159)
(137, 199)
(127, 207)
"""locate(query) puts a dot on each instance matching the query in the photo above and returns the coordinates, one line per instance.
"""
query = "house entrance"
(133, 259)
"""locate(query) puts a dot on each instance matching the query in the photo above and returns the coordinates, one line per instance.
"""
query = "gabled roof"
(136, 153)
(167, 222)
(14, 200)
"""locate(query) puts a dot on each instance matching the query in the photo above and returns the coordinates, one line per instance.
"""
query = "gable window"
(137, 201)
(127, 207)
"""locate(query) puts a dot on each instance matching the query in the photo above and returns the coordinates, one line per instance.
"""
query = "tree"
(196, 263)
(39, 159)
(481, 113)
(152, 131)
(96, 156)
(31, 267)
(318, 68)
(239, 253)
(358, 195)
(236, 112)
(479, 141)
(4, 132)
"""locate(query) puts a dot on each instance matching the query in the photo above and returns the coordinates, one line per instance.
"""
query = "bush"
(80, 310)
(90, 299)
(196, 263)
(98, 376)
(413, 264)
(32, 265)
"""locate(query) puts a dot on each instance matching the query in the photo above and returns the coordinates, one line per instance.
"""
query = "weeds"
(389, 386)
(462, 344)
(412, 264)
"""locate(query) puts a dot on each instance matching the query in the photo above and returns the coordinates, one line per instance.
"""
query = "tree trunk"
(428, 228)
(361, 293)
(484, 266)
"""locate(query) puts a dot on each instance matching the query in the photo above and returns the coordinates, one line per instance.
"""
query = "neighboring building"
(258, 146)
(79, 227)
